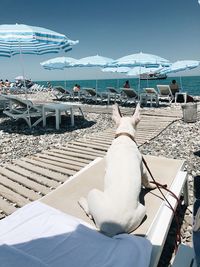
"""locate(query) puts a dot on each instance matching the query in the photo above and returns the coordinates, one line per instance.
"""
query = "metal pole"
(181, 86)
(22, 65)
(23, 73)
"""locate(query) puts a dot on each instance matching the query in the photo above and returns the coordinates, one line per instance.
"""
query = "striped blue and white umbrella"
(24, 39)
(58, 63)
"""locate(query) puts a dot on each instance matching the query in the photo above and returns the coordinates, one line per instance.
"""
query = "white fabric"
(57, 239)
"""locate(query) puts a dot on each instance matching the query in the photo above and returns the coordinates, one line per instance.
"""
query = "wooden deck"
(30, 178)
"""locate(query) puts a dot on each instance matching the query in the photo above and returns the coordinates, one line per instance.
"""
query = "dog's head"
(126, 122)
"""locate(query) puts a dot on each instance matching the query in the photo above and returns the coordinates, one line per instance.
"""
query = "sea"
(189, 84)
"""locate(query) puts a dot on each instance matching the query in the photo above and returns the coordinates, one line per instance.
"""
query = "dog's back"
(117, 208)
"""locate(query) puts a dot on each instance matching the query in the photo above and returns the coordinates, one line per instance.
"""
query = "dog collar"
(126, 134)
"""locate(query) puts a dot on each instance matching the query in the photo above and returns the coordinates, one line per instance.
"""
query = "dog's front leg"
(145, 178)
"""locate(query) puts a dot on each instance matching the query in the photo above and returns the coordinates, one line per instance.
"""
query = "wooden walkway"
(32, 177)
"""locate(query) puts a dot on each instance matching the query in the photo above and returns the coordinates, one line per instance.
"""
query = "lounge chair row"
(123, 96)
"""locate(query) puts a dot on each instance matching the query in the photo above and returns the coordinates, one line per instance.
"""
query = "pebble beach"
(179, 141)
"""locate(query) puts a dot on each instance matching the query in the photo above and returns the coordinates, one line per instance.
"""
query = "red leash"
(160, 186)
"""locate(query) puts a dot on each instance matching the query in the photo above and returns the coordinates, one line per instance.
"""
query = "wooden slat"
(22, 190)
(13, 196)
(51, 167)
(74, 154)
(78, 149)
(35, 177)
(56, 157)
(6, 207)
(23, 180)
(60, 155)
(58, 164)
(89, 144)
(50, 174)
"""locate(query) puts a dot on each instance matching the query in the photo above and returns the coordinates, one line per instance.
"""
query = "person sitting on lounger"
(76, 88)
(126, 84)
(174, 87)
(1, 84)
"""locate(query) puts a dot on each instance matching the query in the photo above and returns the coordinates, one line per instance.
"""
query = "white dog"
(117, 209)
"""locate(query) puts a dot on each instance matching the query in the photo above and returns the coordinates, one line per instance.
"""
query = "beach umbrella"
(180, 65)
(93, 61)
(20, 77)
(58, 63)
(116, 69)
(140, 59)
(24, 39)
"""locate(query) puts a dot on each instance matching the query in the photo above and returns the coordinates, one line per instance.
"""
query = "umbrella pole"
(181, 86)
(96, 86)
(23, 73)
(117, 83)
(22, 65)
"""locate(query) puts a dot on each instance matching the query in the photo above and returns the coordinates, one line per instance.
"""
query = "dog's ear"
(136, 115)
(116, 116)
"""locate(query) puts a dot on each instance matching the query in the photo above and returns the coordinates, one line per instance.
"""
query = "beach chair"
(56, 228)
(3, 102)
(165, 93)
(91, 96)
(114, 95)
(129, 96)
(23, 109)
(151, 95)
(65, 198)
(61, 93)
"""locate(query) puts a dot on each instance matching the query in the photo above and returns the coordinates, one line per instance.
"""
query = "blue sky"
(111, 28)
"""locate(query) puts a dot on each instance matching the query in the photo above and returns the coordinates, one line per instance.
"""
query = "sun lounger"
(55, 230)
(3, 102)
(128, 96)
(114, 95)
(65, 198)
(91, 96)
(61, 93)
(165, 93)
(149, 94)
(23, 109)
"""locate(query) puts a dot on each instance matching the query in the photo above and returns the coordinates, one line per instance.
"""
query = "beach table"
(58, 108)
